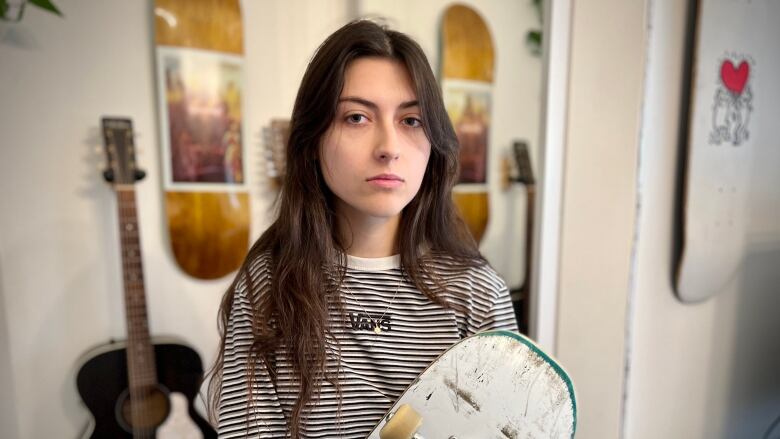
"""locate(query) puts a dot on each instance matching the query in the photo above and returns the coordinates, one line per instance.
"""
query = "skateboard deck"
(199, 48)
(717, 173)
(466, 77)
(495, 384)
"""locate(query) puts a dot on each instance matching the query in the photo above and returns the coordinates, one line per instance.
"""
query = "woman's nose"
(387, 146)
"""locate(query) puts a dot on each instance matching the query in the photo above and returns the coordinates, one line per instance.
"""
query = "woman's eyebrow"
(373, 106)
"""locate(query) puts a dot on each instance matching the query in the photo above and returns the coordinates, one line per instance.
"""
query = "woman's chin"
(382, 212)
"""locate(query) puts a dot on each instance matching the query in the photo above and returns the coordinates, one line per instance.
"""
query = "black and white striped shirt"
(375, 368)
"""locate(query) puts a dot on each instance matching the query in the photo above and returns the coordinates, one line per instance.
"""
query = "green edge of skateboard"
(556, 367)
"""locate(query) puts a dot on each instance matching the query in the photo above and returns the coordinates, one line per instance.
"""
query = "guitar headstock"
(120, 152)
(525, 173)
(275, 138)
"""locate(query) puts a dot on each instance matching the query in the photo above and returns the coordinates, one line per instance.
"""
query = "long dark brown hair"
(294, 313)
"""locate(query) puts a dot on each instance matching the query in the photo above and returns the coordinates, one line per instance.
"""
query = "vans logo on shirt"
(361, 321)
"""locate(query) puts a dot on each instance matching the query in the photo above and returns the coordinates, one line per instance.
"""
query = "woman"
(367, 274)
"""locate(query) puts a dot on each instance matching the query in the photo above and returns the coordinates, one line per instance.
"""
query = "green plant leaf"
(47, 5)
(533, 39)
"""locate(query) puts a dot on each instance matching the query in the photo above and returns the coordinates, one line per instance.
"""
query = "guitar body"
(199, 47)
(102, 383)
(467, 60)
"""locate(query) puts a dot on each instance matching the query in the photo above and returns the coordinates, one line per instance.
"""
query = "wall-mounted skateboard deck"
(727, 92)
(467, 61)
(199, 49)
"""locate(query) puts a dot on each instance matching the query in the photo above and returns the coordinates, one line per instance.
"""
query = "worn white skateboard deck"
(496, 384)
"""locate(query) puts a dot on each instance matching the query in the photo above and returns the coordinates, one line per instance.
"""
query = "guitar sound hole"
(145, 412)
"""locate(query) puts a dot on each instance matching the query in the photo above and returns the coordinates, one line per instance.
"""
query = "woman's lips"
(386, 181)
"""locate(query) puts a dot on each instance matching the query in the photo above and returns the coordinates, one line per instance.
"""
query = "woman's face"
(375, 152)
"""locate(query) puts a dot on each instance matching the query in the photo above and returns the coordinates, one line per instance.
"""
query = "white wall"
(707, 370)
(7, 402)
(59, 258)
(605, 91)
(60, 290)
(515, 108)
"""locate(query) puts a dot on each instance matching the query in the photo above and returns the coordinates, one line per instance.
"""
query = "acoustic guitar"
(139, 387)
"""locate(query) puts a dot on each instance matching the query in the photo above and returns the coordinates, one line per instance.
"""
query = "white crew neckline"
(373, 264)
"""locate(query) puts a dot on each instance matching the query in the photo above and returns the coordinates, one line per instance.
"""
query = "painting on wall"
(203, 117)
(735, 63)
(468, 106)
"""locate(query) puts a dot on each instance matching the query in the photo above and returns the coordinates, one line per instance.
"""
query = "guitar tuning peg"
(108, 175)
(139, 174)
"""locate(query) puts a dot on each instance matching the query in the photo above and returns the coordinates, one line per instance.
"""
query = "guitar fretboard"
(142, 372)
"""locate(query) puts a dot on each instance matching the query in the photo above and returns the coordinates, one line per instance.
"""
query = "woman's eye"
(412, 122)
(355, 118)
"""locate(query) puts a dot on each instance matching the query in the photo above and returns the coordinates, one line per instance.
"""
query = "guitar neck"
(142, 372)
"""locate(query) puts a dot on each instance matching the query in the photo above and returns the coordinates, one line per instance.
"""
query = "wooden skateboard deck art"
(496, 384)
(199, 48)
(467, 60)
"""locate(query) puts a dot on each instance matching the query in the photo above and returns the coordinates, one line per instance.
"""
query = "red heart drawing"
(734, 78)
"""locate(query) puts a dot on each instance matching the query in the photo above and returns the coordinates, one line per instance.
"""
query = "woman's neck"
(369, 237)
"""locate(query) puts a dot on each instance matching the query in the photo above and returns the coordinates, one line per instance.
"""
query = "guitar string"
(148, 353)
(147, 409)
(146, 391)
(136, 414)
(130, 369)
(141, 401)
(141, 407)
(135, 408)
(139, 412)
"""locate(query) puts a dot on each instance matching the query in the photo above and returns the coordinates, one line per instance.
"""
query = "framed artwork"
(468, 105)
(202, 130)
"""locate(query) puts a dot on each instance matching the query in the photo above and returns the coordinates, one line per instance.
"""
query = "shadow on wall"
(754, 396)
(7, 402)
